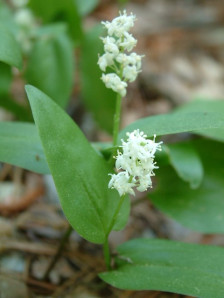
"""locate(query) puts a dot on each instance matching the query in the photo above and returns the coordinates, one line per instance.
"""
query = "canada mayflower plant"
(125, 67)
(135, 164)
(94, 181)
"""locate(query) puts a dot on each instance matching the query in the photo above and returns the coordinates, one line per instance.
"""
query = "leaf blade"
(171, 266)
(86, 6)
(80, 174)
(176, 123)
(21, 146)
(56, 10)
(10, 52)
(199, 209)
(206, 106)
(51, 65)
(187, 163)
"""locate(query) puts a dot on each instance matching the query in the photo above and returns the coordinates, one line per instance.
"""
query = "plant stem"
(59, 252)
(117, 116)
(106, 249)
(106, 252)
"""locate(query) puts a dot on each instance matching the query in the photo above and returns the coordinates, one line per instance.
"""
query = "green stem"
(106, 248)
(106, 252)
(117, 117)
(59, 252)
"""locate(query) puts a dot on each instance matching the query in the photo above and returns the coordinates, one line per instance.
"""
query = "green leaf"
(200, 209)
(80, 174)
(162, 265)
(186, 161)
(206, 106)
(51, 65)
(28, 153)
(47, 10)
(7, 17)
(10, 52)
(86, 6)
(59, 11)
(21, 146)
(51, 31)
(176, 122)
(97, 98)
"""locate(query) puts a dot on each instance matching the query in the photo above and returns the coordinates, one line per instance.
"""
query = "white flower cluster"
(135, 164)
(125, 67)
(27, 23)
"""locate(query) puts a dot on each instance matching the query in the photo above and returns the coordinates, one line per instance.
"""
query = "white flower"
(136, 60)
(138, 143)
(131, 65)
(131, 60)
(113, 81)
(122, 58)
(105, 61)
(120, 24)
(126, 67)
(137, 160)
(129, 42)
(130, 73)
(122, 183)
(110, 46)
(144, 183)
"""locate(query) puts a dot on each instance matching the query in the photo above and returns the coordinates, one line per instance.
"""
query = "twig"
(59, 252)
(25, 246)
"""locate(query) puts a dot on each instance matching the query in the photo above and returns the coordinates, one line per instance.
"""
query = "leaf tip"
(32, 92)
(28, 87)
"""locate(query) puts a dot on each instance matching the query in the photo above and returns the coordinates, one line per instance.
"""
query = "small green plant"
(94, 188)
